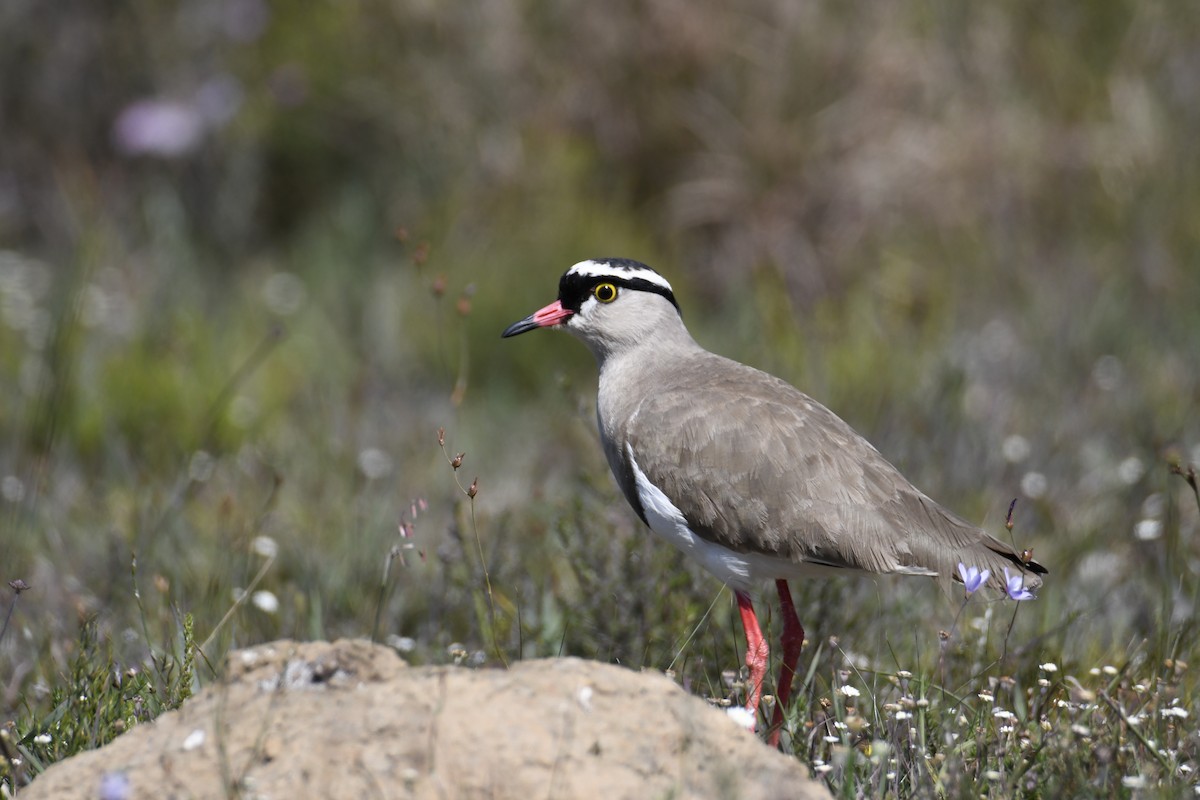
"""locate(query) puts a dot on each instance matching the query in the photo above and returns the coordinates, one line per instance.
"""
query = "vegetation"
(253, 257)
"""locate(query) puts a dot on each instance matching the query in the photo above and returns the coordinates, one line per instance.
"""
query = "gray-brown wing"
(760, 466)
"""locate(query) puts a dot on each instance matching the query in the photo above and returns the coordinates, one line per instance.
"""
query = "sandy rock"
(350, 719)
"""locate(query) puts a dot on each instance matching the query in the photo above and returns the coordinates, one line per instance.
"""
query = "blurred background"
(255, 253)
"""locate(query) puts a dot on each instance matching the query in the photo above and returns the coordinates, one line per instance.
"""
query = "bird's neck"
(628, 356)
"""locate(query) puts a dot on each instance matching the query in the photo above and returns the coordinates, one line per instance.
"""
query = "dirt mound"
(351, 719)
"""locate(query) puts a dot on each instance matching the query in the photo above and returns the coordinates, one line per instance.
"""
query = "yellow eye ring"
(605, 292)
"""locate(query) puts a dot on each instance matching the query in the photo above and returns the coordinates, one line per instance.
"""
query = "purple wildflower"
(972, 578)
(114, 786)
(1015, 586)
(160, 128)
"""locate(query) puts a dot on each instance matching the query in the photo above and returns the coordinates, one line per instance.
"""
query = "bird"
(745, 473)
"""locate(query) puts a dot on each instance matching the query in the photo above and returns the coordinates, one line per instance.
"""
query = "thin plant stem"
(8, 617)
(456, 462)
(238, 602)
(392, 555)
(695, 630)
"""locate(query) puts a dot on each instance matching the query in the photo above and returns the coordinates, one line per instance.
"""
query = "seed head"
(421, 254)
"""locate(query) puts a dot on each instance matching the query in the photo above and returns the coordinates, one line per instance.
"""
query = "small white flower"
(1049, 666)
(12, 489)
(43, 738)
(284, 293)
(903, 715)
(742, 718)
(1174, 711)
(1110, 670)
(986, 697)
(1001, 713)
(824, 768)
(405, 644)
(265, 601)
(265, 546)
(1015, 449)
(374, 463)
(1034, 485)
(992, 775)
(194, 739)
(1131, 470)
(1134, 782)
(1148, 530)
(848, 691)
(833, 739)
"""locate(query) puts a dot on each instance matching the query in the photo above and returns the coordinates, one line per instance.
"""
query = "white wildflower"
(1147, 530)
(742, 718)
(264, 546)
(265, 601)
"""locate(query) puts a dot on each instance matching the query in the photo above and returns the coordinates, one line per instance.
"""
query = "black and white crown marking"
(577, 283)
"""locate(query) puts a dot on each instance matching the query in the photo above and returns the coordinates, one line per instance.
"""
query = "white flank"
(739, 571)
(598, 269)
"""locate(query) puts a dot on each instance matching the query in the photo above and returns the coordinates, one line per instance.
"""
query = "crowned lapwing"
(743, 472)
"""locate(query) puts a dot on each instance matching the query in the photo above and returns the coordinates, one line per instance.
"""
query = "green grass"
(370, 523)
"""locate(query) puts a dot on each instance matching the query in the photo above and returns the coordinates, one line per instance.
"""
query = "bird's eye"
(605, 292)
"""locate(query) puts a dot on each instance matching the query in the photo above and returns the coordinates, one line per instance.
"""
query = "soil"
(350, 719)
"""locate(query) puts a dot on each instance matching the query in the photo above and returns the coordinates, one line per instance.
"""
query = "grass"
(977, 698)
(905, 693)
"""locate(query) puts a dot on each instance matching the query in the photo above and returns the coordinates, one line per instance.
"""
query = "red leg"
(793, 640)
(756, 650)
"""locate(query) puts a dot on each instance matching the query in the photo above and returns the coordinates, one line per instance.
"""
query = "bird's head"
(609, 303)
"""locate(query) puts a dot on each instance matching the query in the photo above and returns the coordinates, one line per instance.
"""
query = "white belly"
(740, 571)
